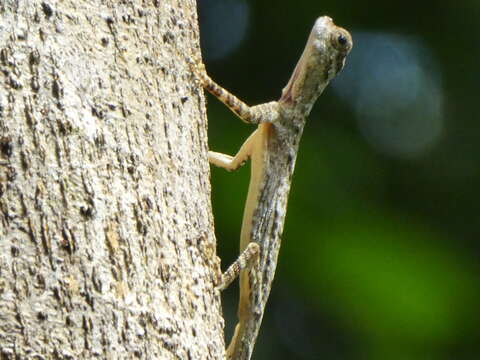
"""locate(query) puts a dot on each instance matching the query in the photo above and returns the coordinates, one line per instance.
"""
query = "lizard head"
(330, 45)
(323, 58)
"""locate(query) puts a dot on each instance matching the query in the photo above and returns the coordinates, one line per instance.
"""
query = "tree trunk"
(107, 246)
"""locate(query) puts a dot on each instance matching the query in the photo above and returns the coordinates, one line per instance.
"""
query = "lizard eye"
(342, 40)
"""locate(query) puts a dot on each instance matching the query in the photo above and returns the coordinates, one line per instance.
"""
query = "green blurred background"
(380, 250)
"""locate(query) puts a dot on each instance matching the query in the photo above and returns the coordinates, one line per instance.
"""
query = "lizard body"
(272, 148)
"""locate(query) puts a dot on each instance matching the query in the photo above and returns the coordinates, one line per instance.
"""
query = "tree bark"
(107, 247)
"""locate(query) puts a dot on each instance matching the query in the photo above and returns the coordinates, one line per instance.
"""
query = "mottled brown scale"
(273, 149)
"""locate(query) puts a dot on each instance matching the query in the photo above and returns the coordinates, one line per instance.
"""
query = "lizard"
(272, 149)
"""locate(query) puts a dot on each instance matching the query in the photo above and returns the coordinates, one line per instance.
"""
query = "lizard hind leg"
(247, 259)
(244, 262)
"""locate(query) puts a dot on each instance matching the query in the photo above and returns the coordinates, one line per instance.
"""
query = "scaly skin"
(272, 149)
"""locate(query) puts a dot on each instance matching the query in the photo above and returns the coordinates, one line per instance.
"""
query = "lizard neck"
(303, 89)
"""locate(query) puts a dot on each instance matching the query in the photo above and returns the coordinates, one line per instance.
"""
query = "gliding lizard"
(272, 149)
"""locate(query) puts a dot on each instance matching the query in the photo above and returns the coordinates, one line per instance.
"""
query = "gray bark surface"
(106, 233)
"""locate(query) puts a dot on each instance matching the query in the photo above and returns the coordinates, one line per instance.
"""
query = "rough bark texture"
(106, 247)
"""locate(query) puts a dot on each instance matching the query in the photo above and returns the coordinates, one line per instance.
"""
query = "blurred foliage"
(380, 253)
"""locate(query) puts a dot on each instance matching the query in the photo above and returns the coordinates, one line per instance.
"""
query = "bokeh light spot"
(224, 25)
(393, 85)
